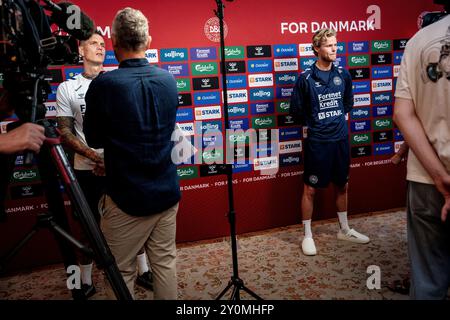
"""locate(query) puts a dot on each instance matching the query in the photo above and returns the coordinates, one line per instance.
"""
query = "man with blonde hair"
(321, 98)
(131, 113)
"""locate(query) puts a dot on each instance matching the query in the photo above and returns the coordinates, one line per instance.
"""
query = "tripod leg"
(56, 206)
(250, 292)
(230, 283)
(11, 254)
(235, 295)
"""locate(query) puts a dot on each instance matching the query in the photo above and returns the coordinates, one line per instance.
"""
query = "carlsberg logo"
(232, 52)
(382, 123)
(204, 68)
(381, 45)
(185, 172)
(262, 122)
(24, 175)
(284, 105)
(361, 138)
(358, 60)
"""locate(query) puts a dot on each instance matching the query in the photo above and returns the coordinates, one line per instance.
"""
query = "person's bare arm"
(414, 134)
(66, 125)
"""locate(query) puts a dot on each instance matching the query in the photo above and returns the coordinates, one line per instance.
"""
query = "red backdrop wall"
(375, 184)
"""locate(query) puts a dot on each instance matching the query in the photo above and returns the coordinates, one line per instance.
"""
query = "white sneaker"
(308, 247)
(353, 236)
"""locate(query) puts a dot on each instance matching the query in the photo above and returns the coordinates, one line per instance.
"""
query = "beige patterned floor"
(270, 263)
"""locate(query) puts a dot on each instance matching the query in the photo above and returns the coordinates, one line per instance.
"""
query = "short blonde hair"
(321, 36)
(130, 28)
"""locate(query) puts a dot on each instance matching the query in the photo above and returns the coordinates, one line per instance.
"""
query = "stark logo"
(212, 29)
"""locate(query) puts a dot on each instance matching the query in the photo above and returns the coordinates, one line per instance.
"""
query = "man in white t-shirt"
(88, 162)
(422, 112)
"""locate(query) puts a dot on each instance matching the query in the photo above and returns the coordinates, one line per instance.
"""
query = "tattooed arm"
(66, 125)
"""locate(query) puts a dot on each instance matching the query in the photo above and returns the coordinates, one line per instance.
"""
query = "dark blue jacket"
(130, 112)
(322, 105)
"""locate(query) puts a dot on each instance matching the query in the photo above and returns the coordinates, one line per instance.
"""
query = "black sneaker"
(145, 280)
(88, 290)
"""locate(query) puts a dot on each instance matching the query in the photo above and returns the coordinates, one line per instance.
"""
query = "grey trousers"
(428, 243)
(126, 235)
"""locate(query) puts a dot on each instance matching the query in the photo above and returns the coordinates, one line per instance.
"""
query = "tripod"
(236, 284)
(51, 161)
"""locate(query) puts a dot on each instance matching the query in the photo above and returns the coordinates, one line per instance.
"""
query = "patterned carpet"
(270, 263)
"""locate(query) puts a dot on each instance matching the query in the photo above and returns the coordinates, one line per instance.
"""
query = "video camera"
(28, 45)
(431, 17)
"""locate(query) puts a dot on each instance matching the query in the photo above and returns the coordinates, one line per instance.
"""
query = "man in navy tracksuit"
(321, 98)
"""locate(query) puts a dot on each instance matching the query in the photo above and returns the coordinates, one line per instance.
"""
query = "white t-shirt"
(428, 50)
(70, 103)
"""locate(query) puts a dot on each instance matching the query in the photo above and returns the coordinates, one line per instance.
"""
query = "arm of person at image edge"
(28, 136)
(414, 134)
(66, 126)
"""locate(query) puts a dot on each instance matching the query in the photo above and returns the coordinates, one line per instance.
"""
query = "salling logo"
(291, 159)
(238, 110)
(175, 54)
(307, 63)
(286, 64)
(382, 85)
(231, 52)
(287, 78)
(262, 94)
(381, 98)
(204, 67)
(210, 126)
(185, 172)
(361, 112)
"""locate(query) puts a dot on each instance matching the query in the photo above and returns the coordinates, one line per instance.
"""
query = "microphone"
(64, 15)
